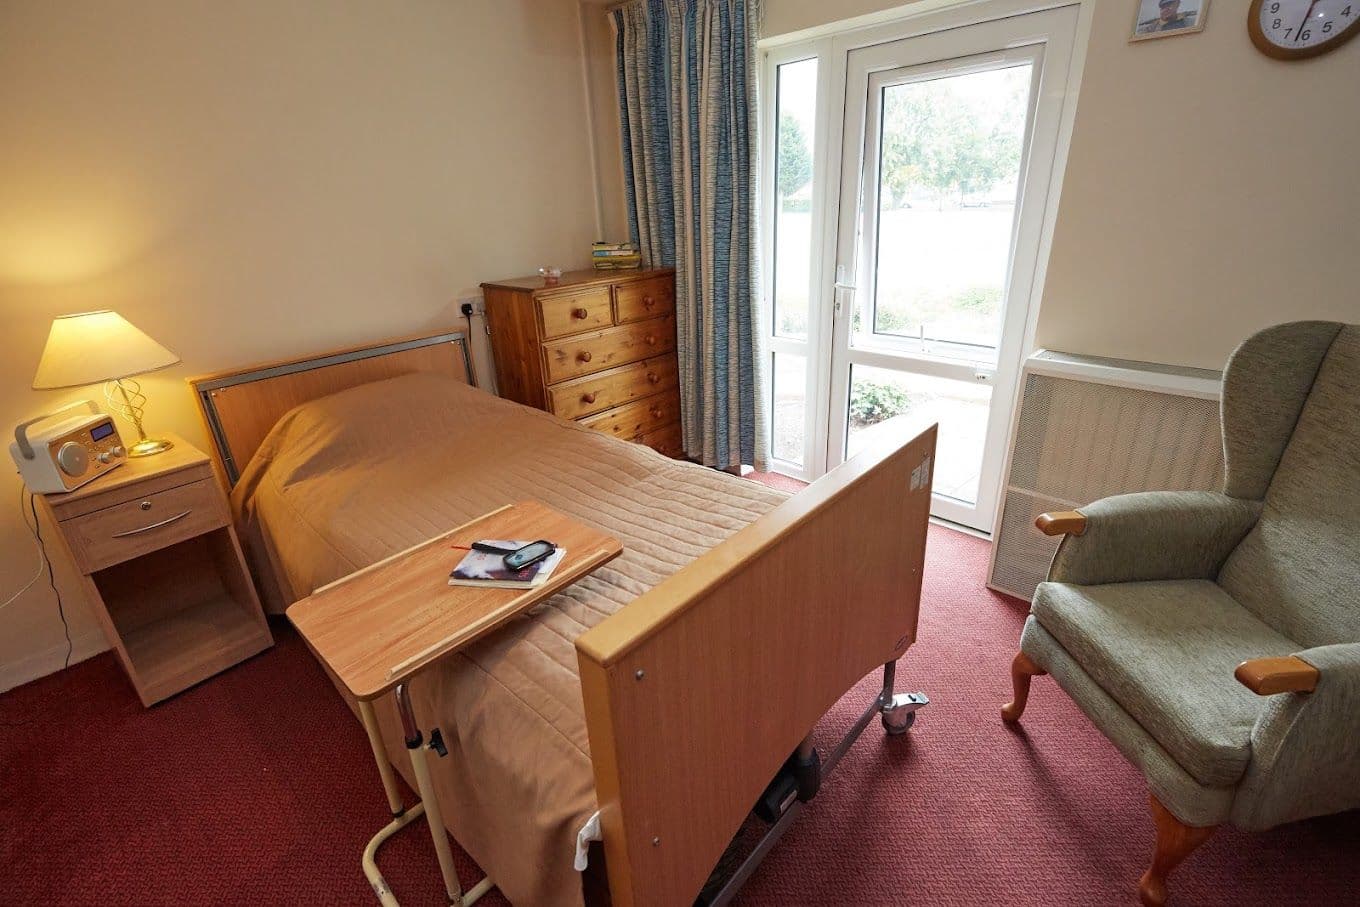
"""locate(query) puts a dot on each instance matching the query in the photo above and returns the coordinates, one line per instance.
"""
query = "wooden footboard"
(697, 692)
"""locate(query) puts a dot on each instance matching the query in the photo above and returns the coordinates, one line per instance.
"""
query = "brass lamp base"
(148, 447)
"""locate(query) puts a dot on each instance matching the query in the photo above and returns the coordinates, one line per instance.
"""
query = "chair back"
(1291, 436)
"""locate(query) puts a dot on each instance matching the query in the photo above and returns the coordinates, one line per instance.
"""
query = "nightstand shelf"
(163, 570)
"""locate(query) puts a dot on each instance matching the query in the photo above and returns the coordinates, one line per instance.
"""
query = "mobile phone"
(529, 555)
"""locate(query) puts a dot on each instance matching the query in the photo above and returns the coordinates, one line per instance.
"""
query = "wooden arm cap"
(1268, 676)
(1061, 522)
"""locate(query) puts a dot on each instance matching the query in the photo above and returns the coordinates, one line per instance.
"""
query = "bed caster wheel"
(896, 724)
(899, 715)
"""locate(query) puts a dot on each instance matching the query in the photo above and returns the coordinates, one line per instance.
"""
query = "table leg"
(401, 816)
(389, 780)
(415, 746)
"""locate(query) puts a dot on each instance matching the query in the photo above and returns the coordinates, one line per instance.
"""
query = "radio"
(67, 454)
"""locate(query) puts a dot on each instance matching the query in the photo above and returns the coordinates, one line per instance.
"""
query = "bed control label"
(920, 476)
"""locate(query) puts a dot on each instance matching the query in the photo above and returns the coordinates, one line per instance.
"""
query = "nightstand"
(162, 569)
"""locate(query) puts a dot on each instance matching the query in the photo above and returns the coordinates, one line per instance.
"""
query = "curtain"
(687, 102)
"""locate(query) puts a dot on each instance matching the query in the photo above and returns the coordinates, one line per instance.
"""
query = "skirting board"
(49, 661)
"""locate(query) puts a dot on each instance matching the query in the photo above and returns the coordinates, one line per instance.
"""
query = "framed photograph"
(1164, 18)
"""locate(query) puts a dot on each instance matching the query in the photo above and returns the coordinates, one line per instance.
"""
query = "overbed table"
(380, 626)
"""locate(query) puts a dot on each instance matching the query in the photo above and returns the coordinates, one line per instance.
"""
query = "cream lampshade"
(104, 346)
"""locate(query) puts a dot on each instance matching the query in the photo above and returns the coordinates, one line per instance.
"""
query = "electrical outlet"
(477, 304)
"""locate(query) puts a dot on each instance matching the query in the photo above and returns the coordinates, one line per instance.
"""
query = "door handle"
(843, 292)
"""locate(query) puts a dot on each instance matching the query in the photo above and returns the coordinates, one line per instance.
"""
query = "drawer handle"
(648, 302)
(651, 339)
(166, 522)
(588, 398)
(653, 378)
(656, 412)
(584, 356)
(579, 313)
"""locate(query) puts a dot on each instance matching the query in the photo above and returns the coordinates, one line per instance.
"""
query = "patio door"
(947, 148)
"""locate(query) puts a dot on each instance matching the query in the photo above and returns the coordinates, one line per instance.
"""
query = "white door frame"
(1043, 40)
(831, 44)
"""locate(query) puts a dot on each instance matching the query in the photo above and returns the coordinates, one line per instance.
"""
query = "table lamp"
(104, 346)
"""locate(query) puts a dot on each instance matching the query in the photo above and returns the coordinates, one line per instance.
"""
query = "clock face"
(1289, 29)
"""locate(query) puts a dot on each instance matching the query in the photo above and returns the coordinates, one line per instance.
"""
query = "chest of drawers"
(597, 348)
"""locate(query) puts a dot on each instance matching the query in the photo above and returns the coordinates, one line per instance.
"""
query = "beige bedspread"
(347, 480)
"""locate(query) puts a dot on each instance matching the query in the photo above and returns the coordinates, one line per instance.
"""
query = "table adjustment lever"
(437, 743)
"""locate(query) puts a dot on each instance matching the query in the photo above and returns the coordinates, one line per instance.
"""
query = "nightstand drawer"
(144, 524)
(573, 313)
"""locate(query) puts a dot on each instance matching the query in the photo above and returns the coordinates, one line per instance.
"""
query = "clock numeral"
(1277, 23)
(1305, 34)
(1274, 8)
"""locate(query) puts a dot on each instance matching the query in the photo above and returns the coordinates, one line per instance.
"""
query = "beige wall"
(252, 180)
(1210, 191)
(604, 102)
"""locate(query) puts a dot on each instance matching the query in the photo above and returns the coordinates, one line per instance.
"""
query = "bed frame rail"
(697, 693)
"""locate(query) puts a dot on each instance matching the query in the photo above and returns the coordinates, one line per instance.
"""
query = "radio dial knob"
(104, 456)
(73, 458)
(117, 450)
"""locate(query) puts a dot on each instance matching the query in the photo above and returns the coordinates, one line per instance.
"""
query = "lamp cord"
(43, 562)
(467, 348)
(42, 555)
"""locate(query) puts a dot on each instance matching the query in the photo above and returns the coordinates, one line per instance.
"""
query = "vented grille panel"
(1078, 441)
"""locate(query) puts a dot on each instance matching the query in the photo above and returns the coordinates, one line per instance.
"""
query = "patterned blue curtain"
(687, 100)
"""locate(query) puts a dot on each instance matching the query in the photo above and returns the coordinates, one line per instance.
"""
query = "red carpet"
(258, 788)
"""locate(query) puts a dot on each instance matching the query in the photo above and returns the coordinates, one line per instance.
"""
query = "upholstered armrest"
(1305, 747)
(1152, 535)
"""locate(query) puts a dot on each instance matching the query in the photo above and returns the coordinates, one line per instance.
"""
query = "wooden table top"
(379, 626)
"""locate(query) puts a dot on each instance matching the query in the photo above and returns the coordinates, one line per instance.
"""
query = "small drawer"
(614, 387)
(644, 299)
(572, 313)
(634, 420)
(128, 530)
(591, 353)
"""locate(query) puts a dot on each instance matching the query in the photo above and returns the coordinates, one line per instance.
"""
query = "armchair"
(1215, 637)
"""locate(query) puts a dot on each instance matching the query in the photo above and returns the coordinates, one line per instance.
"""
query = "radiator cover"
(1088, 427)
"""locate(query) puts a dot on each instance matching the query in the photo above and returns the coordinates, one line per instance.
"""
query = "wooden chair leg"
(1023, 669)
(1175, 842)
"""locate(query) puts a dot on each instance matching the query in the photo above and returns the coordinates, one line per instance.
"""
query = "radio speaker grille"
(1079, 440)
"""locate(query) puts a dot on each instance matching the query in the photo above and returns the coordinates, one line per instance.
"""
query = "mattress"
(346, 480)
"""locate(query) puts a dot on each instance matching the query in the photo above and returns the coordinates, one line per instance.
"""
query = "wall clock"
(1293, 29)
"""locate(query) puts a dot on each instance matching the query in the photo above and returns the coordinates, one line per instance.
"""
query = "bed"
(750, 612)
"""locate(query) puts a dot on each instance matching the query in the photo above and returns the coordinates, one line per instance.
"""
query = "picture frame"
(1167, 18)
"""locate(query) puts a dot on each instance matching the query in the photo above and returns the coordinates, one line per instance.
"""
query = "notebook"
(488, 571)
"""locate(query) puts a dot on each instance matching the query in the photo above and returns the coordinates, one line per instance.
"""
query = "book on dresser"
(597, 347)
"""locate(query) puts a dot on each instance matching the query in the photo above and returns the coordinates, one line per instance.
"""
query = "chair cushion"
(1299, 568)
(1166, 651)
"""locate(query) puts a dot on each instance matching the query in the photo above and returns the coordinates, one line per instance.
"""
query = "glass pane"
(903, 404)
(796, 108)
(789, 407)
(948, 184)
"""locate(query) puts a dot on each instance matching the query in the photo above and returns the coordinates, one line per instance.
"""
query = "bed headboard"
(240, 406)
